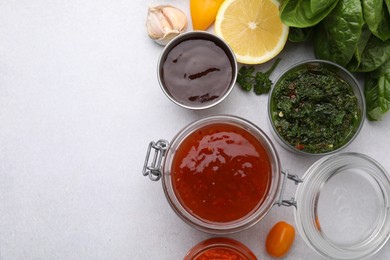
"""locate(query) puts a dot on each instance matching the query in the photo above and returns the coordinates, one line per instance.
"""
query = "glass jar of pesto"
(316, 107)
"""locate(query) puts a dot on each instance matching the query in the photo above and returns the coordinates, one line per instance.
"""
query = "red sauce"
(221, 173)
(222, 253)
(197, 71)
(220, 248)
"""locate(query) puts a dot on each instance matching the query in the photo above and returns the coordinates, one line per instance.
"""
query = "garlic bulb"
(164, 22)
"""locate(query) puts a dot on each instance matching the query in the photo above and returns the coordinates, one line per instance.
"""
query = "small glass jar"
(218, 247)
(342, 202)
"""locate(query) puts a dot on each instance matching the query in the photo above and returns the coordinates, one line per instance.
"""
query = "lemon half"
(252, 28)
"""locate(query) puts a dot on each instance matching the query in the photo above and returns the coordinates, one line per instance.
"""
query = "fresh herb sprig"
(259, 81)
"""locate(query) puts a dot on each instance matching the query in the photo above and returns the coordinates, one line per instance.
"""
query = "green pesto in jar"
(314, 110)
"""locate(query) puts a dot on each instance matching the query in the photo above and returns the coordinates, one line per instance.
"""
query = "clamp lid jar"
(220, 174)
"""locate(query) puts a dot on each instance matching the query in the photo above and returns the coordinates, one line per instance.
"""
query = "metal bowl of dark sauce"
(197, 70)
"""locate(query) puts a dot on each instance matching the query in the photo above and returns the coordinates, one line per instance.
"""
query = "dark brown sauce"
(197, 71)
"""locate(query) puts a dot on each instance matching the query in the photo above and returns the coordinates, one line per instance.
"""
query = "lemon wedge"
(252, 28)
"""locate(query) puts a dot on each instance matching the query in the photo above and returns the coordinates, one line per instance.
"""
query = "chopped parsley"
(314, 110)
(259, 81)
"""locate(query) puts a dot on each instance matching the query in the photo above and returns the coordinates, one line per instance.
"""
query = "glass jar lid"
(343, 206)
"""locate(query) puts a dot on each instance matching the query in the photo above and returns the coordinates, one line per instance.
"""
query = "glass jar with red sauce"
(220, 248)
(220, 174)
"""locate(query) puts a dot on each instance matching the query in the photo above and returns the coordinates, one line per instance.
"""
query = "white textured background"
(79, 103)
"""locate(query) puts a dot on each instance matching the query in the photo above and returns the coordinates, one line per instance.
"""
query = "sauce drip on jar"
(196, 71)
(221, 173)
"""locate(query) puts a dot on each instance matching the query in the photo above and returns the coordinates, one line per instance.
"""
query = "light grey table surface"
(79, 103)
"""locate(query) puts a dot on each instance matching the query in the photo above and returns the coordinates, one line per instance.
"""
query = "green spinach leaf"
(384, 26)
(382, 70)
(299, 34)
(338, 34)
(373, 110)
(354, 63)
(372, 13)
(305, 13)
(377, 18)
(388, 5)
(377, 92)
(374, 55)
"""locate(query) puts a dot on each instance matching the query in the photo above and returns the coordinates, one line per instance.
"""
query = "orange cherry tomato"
(279, 239)
(203, 13)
